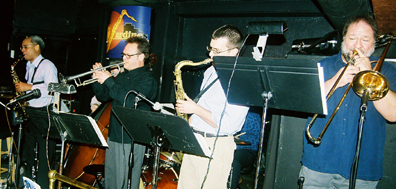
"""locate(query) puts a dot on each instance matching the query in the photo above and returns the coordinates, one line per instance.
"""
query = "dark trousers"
(117, 165)
(244, 159)
(28, 145)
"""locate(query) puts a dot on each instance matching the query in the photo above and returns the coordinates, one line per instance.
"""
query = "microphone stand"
(363, 109)
(19, 120)
(156, 106)
(159, 142)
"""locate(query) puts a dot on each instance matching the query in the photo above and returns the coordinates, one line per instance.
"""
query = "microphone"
(156, 106)
(141, 96)
(34, 94)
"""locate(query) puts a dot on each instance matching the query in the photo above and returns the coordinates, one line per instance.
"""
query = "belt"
(204, 134)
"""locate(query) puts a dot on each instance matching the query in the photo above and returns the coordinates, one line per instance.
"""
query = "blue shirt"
(336, 152)
(251, 128)
(46, 73)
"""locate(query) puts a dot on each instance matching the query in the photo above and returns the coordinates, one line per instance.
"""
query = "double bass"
(79, 156)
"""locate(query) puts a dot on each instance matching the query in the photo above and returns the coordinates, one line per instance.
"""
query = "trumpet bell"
(374, 82)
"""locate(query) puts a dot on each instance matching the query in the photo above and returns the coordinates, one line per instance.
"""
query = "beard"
(347, 53)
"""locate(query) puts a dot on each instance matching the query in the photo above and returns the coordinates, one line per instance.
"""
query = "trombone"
(76, 78)
(371, 81)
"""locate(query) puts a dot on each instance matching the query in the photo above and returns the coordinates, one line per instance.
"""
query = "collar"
(35, 62)
(138, 69)
(210, 70)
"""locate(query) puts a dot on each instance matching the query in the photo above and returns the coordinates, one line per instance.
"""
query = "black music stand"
(160, 131)
(67, 127)
(288, 84)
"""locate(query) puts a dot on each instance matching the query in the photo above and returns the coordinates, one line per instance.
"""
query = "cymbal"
(172, 157)
(241, 142)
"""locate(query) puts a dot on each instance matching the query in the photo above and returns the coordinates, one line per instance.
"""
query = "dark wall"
(75, 35)
(189, 27)
(45, 17)
(180, 31)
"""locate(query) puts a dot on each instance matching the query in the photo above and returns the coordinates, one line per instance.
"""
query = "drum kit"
(169, 168)
(168, 172)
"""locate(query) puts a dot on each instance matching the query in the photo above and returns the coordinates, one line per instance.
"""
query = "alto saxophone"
(15, 80)
(179, 91)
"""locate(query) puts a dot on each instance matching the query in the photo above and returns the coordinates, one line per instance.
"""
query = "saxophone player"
(39, 73)
(208, 118)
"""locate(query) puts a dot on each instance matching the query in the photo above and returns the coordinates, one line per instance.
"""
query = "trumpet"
(371, 81)
(76, 78)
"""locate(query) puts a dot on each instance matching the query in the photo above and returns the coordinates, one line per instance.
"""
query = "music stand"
(160, 131)
(68, 127)
(287, 84)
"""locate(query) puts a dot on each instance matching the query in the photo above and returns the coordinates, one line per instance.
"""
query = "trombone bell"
(372, 81)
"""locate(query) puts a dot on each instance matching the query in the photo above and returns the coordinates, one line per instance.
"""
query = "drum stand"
(160, 140)
(160, 131)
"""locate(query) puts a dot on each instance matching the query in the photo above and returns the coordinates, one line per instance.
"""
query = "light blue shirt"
(214, 100)
(46, 72)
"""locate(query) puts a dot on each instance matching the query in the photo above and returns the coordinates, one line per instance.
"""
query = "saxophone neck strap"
(204, 90)
(34, 73)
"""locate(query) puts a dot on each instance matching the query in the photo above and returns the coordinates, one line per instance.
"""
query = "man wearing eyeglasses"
(136, 77)
(214, 119)
(39, 73)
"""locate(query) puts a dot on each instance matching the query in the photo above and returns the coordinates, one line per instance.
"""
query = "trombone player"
(329, 164)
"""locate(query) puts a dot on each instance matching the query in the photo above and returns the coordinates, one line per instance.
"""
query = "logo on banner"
(119, 30)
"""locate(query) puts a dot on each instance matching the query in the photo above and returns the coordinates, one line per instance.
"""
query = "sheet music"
(322, 89)
(98, 132)
(203, 144)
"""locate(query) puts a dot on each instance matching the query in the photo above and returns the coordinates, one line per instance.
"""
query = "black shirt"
(116, 88)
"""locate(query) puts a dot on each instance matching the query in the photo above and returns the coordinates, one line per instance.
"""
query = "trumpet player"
(135, 77)
(329, 164)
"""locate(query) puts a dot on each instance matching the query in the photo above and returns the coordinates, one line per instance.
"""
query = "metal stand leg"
(18, 161)
(266, 97)
(11, 171)
(363, 109)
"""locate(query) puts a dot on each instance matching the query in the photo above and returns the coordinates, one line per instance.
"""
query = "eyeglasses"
(215, 51)
(128, 56)
(26, 46)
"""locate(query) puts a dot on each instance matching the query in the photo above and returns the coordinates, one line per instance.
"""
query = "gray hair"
(37, 40)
